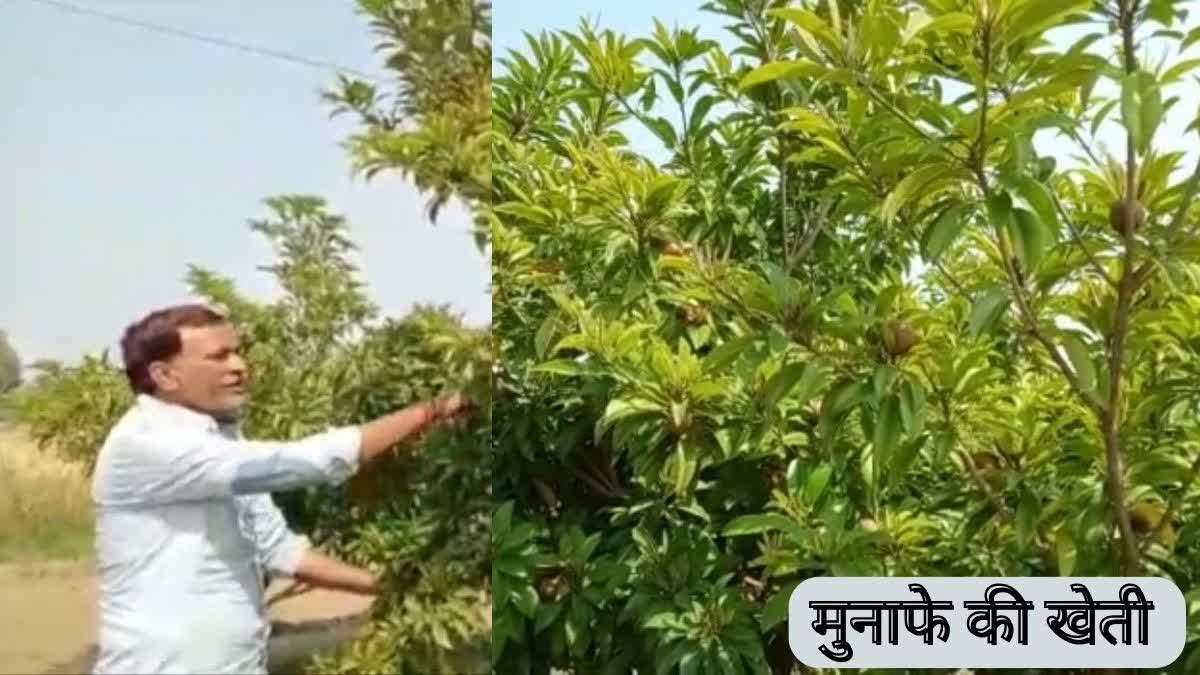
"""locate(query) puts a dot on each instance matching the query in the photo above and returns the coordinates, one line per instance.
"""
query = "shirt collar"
(177, 414)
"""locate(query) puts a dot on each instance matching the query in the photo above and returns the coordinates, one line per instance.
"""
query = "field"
(45, 511)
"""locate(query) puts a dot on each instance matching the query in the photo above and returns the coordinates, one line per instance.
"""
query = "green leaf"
(818, 480)
(779, 70)
(619, 409)
(545, 333)
(1130, 115)
(1192, 36)
(1027, 511)
(546, 615)
(502, 520)
(663, 129)
(1030, 238)
(975, 523)
(809, 22)
(922, 182)
(906, 409)
(999, 209)
(775, 610)
(782, 382)
(950, 22)
(1150, 110)
(814, 379)
(887, 432)
(793, 477)
(685, 468)
(700, 110)
(844, 396)
(759, 523)
(659, 621)
(534, 214)
(987, 309)
(808, 121)
(1038, 198)
(1102, 114)
(1065, 548)
(1177, 71)
(725, 355)
(882, 380)
(526, 600)
(1026, 18)
(943, 232)
(1081, 361)
(560, 367)
(913, 404)
(904, 457)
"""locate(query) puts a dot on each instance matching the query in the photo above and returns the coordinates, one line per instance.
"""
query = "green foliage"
(854, 324)
(71, 409)
(433, 122)
(10, 364)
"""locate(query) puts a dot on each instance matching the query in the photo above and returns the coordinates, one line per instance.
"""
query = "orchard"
(321, 355)
(909, 288)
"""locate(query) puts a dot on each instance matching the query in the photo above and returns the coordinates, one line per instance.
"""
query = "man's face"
(208, 374)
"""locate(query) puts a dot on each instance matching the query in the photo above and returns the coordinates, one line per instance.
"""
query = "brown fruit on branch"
(1117, 217)
(1144, 517)
(672, 248)
(899, 337)
(694, 313)
(551, 588)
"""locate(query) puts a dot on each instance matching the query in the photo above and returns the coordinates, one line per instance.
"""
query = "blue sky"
(126, 155)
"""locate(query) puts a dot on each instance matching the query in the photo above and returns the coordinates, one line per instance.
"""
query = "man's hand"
(451, 407)
(383, 433)
(321, 571)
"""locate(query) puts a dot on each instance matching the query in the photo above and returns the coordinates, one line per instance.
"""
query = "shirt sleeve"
(279, 549)
(157, 466)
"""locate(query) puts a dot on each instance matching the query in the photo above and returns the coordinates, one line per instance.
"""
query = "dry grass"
(45, 506)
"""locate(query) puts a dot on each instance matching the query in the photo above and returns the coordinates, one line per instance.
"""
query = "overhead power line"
(208, 39)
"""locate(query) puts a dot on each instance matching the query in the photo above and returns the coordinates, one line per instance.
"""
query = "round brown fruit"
(694, 313)
(1117, 217)
(549, 588)
(1144, 517)
(899, 338)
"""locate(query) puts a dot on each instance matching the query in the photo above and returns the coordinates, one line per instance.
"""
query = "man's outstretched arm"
(321, 571)
(157, 465)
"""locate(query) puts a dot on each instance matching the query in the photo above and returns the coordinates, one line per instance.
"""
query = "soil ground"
(48, 615)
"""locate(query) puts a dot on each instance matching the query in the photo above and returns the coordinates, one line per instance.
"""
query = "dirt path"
(48, 614)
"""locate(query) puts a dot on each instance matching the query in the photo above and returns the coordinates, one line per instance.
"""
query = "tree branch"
(1111, 420)
(1078, 238)
(977, 167)
(953, 282)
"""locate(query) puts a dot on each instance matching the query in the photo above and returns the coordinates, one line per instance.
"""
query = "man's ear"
(163, 376)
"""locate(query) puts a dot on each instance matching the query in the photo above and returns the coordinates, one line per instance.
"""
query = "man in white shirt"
(185, 523)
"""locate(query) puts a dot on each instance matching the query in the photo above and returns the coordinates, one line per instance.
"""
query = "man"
(185, 524)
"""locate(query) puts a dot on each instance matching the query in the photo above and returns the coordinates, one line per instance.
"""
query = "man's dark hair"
(156, 338)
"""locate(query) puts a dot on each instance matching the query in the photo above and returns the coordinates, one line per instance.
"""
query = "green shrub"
(10, 364)
(844, 322)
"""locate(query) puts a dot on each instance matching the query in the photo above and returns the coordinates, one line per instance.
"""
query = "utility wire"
(220, 42)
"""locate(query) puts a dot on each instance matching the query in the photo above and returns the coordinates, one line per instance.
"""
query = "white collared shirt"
(184, 525)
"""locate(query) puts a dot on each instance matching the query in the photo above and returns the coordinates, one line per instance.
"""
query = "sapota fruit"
(1117, 218)
(899, 337)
